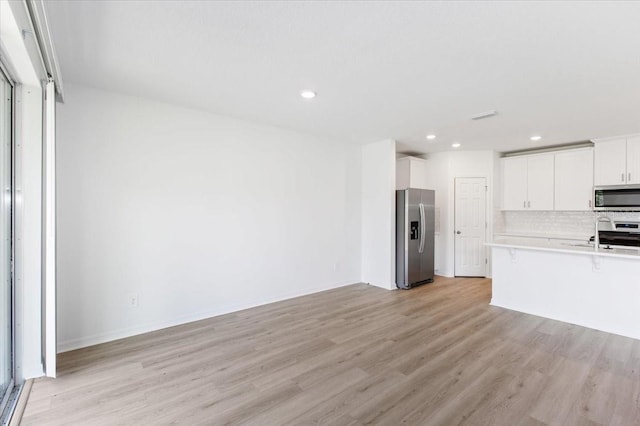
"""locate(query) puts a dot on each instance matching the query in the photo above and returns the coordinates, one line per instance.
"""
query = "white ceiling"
(569, 71)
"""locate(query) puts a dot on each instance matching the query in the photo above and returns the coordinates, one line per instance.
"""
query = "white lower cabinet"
(579, 286)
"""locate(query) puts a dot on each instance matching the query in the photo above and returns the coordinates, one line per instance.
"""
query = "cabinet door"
(514, 183)
(411, 173)
(633, 160)
(403, 174)
(418, 174)
(540, 182)
(610, 162)
(574, 180)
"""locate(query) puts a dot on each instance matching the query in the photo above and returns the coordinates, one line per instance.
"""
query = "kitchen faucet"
(598, 221)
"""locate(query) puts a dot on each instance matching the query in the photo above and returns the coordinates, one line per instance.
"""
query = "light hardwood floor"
(434, 355)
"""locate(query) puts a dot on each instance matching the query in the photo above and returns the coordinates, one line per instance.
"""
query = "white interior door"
(470, 226)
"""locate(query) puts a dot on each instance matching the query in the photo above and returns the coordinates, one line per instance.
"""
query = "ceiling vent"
(484, 115)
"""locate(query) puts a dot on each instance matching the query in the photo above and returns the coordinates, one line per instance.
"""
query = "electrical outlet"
(132, 300)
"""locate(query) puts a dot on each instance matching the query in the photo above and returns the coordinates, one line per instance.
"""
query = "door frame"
(486, 220)
(6, 397)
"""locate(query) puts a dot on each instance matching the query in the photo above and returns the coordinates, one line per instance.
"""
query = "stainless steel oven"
(622, 234)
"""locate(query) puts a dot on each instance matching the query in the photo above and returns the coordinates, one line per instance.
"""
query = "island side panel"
(585, 289)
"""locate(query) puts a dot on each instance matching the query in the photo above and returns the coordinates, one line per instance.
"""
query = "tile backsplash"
(578, 225)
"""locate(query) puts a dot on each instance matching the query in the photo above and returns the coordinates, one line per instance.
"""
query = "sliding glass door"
(6, 288)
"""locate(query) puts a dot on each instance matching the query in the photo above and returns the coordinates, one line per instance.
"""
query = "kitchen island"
(569, 281)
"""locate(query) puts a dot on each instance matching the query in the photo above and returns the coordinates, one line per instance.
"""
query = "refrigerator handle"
(422, 226)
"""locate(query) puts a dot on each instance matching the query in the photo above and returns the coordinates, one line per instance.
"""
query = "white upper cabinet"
(633, 160)
(540, 176)
(564, 180)
(617, 161)
(611, 162)
(574, 180)
(527, 182)
(514, 183)
(411, 172)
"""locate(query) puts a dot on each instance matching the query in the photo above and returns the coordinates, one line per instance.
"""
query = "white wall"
(194, 213)
(442, 169)
(378, 213)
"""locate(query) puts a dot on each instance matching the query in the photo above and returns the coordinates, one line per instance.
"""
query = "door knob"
(458, 232)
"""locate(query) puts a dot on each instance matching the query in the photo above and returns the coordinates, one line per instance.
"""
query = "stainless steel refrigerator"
(415, 225)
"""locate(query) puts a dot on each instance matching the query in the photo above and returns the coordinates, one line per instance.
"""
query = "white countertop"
(563, 246)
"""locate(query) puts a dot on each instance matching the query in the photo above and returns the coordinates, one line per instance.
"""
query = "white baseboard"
(95, 339)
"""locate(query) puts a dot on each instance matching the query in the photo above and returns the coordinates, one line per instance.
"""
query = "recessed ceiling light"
(308, 94)
(455, 145)
(536, 138)
(431, 137)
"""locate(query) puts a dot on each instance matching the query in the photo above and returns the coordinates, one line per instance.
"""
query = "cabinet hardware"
(524, 204)
(589, 203)
(629, 177)
(529, 204)
(622, 177)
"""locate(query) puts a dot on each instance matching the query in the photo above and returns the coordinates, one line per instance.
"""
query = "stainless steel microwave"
(621, 198)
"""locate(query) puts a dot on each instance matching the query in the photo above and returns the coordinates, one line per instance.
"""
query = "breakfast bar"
(569, 281)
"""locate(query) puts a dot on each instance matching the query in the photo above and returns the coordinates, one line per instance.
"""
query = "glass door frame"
(5, 399)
